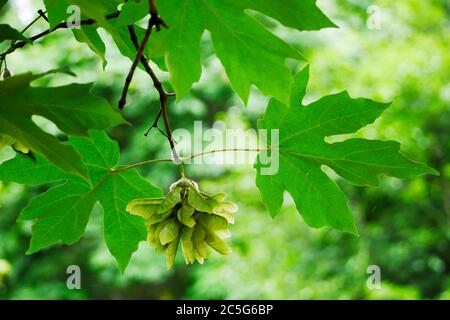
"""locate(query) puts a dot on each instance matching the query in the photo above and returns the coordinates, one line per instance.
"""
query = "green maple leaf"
(121, 37)
(244, 46)
(62, 213)
(250, 53)
(26, 170)
(90, 36)
(303, 150)
(72, 108)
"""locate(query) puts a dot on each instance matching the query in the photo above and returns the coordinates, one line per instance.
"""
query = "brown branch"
(169, 132)
(163, 95)
(62, 25)
(42, 14)
(154, 12)
(152, 75)
(154, 21)
(137, 59)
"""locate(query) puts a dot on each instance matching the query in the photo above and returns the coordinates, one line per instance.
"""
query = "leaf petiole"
(183, 159)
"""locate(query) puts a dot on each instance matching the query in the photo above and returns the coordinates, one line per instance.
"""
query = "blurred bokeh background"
(385, 50)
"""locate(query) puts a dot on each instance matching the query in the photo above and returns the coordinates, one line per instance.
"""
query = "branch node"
(42, 14)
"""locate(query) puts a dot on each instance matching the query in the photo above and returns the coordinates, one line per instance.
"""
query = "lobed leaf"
(244, 46)
(303, 151)
(72, 108)
(60, 215)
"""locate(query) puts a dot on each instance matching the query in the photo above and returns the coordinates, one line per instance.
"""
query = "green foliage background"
(404, 225)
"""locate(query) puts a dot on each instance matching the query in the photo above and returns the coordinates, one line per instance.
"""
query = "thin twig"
(137, 59)
(158, 116)
(154, 124)
(169, 131)
(62, 25)
(163, 95)
(154, 12)
(184, 159)
(42, 14)
(154, 21)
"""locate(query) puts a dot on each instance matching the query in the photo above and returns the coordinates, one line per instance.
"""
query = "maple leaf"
(72, 108)
(250, 53)
(62, 213)
(303, 151)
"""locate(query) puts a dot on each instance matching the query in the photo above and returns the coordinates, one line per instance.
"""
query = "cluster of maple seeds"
(188, 217)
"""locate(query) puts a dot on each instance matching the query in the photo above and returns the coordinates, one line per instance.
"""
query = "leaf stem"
(41, 14)
(163, 95)
(182, 172)
(184, 159)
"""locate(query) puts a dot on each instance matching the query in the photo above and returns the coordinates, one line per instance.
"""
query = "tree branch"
(163, 95)
(42, 14)
(139, 55)
(152, 161)
(154, 21)
(62, 25)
